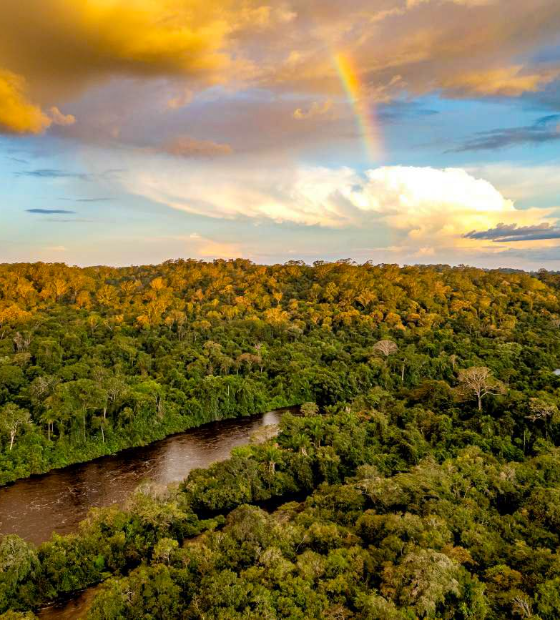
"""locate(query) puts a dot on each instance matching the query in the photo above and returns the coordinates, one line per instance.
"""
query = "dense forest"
(421, 481)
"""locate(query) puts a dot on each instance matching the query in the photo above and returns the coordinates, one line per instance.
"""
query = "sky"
(392, 131)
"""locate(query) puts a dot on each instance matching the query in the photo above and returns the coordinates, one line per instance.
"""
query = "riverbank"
(110, 540)
(71, 608)
(42, 459)
(58, 501)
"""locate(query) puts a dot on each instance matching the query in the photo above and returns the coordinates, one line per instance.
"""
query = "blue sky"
(238, 138)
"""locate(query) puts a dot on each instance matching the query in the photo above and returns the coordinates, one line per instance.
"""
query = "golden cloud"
(17, 114)
(507, 82)
(60, 47)
(461, 47)
(54, 50)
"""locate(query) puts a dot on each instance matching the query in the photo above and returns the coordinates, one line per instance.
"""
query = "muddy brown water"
(39, 506)
(72, 609)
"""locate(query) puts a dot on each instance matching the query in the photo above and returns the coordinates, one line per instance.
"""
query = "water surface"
(37, 507)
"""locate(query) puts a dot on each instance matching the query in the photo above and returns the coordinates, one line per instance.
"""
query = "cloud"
(427, 48)
(185, 146)
(59, 220)
(17, 113)
(546, 129)
(66, 47)
(58, 118)
(48, 173)
(504, 82)
(413, 3)
(417, 210)
(180, 100)
(533, 256)
(50, 211)
(507, 233)
(458, 48)
(53, 173)
(526, 185)
(314, 110)
(400, 110)
(86, 199)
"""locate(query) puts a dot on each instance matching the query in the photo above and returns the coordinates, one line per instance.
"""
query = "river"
(37, 507)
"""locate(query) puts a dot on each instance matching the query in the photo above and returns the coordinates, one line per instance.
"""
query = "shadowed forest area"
(421, 481)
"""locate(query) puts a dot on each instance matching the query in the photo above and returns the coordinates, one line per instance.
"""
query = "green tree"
(12, 420)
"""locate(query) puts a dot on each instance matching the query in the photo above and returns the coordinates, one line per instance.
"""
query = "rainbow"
(364, 113)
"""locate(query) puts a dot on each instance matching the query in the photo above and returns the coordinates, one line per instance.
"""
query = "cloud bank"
(417, 208)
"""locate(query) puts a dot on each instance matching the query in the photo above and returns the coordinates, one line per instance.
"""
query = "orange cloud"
(507, 82)
(462, 48)
(61, 47)
(17, 114)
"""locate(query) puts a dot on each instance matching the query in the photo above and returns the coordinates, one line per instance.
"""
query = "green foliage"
(421, 481)
(105, 358)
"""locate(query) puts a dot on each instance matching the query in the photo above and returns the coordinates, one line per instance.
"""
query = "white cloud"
(533, 183)
(421, 207)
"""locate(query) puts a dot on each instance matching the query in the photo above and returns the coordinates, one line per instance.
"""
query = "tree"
(541, 410)
(479, 382)
(18, 565)
(12, 418)
(309, 410)
(386, 347)
(423, 580)
(81, 396)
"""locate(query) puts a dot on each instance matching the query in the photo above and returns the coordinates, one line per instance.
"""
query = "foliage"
(421, 480)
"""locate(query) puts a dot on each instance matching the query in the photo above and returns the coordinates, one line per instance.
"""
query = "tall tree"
(12, 419)
(479, 382)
